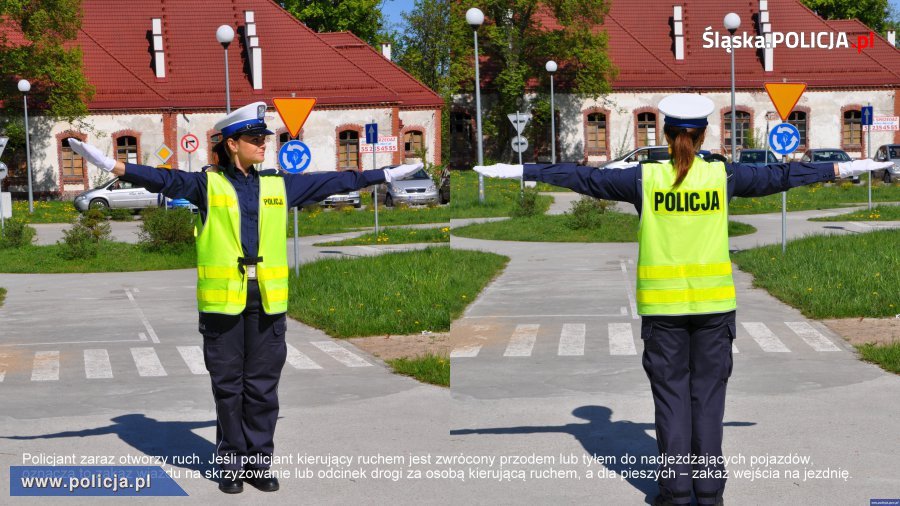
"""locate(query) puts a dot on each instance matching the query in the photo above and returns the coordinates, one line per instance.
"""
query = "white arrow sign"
(520, 121)
(519, 144)
(3, 141)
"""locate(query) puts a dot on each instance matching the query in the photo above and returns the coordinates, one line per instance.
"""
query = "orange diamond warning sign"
(293, 112)
(785, 96)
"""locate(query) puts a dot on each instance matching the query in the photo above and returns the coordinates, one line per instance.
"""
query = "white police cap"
(248, 120)
(686, 110)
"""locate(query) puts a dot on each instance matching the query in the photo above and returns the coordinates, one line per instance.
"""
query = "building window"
(348, 150)
(72, 164)
(283, 139)
(646, 129)
(413, 143)
(851, 132)
(798, 119)
(126, 149)
(742, 128)
(595, 132)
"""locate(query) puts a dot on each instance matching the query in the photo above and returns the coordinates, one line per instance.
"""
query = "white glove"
(503, 170)
(92, 154)
(857, 167)
(401, 172)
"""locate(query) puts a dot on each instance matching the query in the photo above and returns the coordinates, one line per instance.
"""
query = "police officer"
(242, 277)
(685, 291)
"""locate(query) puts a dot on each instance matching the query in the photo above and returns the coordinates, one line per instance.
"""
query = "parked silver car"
(116, 194)
(349, 198)
(888, 153)
(643, 154)
(418, 189)
(828, 155)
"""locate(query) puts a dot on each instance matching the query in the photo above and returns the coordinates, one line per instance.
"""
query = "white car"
(643, 154)
(116, 194)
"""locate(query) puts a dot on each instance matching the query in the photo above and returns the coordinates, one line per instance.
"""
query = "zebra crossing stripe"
(3, 364)
(96, 364)
(764, 337)
(299, 360)
(340, 354)
(193, 357)
(147, 362)
(811, 336)
(46, 366)
(522, 341)
(571, 340)
(621, 340)
(466, 351)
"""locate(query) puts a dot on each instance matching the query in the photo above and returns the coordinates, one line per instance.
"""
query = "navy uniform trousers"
(244, 355)
(688, 361)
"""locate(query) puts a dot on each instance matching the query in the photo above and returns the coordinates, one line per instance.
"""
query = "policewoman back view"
(242, 277)
(685, 291)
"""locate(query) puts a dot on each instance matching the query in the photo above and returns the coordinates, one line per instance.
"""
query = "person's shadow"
(605, 441)
(153, 437)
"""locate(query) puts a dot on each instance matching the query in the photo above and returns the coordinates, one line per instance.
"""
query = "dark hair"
(683, 143)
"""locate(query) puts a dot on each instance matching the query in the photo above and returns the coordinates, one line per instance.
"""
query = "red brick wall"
(170, 137)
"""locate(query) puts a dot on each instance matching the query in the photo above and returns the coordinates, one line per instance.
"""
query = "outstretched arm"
(311, 188)
(753, 181)
(611, 184)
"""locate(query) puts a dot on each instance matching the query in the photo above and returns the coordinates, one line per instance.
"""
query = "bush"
(16, 233)
(527, 204)
(120, 214)
(83, 239)
(586, 213)
(165, 229)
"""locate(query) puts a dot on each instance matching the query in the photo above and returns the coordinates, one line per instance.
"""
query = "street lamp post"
(225, 34)
(551, 68)
(732, 22)
(474, 17)
(25, 87)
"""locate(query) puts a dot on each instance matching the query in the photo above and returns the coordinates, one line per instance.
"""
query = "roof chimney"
(386, 50)
(159, 57)
(678, 29)
(254, 52)
(892, 38)
(765, 29)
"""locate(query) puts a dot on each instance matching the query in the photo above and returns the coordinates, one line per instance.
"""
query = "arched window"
(413, 143)
(126, 149)
(595, 133)
(348, 150)
(798, 119)
(646, 129)
(72, 163)
(851, 130)
(741, 126)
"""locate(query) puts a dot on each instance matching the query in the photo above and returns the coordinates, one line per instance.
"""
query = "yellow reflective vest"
(221, 286)
(683, 261)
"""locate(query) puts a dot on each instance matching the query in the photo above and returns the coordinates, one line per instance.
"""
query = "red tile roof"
(388, 73)
(641, 46)
(118, 59)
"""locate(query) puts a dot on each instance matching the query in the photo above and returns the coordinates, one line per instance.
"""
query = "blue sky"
(394, 8)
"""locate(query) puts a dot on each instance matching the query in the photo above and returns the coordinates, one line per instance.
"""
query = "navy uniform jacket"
(301, 190)
(624, 185)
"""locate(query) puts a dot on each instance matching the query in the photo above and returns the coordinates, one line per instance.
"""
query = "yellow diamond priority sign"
(164, 153)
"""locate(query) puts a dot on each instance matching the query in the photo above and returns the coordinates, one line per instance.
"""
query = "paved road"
(547, 360)
(111, 364)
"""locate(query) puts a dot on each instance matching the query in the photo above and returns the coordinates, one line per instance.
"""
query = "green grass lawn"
(887, 356)
(51, 211)
(878, 213)
(112, 257)
(394, 293)
(396, 236)
(615, 227)
(816, 196)
(434, 369)
(831, 276)
(501, 196)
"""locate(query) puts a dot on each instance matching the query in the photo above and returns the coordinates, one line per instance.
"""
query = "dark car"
(757, 157)
(827, 155)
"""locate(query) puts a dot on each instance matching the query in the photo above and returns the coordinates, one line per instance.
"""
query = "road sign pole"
(296, 244)
(784, 159)
(869, 174)
(375, 193)
(521, 181)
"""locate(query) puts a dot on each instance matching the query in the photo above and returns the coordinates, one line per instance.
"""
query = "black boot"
(262, 479)
(231, 483)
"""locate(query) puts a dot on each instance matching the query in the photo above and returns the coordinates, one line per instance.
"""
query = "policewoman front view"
(685, 292)
(242, 277)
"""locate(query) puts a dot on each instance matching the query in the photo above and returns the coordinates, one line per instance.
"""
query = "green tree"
(362, 17)
(32, 46)
(876, 14)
